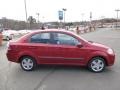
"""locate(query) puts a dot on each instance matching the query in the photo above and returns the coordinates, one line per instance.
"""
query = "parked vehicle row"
(22, 32)
(9, 34)
(81, 28)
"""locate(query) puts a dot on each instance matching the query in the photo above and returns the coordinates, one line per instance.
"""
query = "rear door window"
(40, 38)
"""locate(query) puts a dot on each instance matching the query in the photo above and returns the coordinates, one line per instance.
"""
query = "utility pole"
(38, 14)
(102, 21)
(83, 22)
(90, 16)
(64, 9)
(38, 22)
(117, 10)
(91, 21)
(25, 12)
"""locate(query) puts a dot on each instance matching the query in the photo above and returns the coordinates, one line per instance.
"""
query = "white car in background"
(72, 29)
(8, 35)
(22, 32)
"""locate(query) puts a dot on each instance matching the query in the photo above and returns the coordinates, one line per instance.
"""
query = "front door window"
(64, 39)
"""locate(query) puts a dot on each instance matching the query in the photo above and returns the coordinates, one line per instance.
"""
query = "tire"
(7, 38)
(28, 63)
(97, 64)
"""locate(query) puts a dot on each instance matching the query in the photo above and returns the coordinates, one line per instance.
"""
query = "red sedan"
(59, 47)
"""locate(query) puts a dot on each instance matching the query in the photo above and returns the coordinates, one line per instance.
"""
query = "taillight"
(8, 46)
(11, 35)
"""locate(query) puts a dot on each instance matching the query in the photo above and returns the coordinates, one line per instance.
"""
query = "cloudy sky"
(77, 10)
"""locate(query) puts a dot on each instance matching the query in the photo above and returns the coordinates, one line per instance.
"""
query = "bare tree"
(32, 22)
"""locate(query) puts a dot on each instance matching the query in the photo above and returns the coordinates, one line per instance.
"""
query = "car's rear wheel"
(28, 63)
(97, 64)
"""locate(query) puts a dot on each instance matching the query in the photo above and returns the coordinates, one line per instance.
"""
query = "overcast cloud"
(77, 10)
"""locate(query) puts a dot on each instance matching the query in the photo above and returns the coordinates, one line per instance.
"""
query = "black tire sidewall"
(7, 38)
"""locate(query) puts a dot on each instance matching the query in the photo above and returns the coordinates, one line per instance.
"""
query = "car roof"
(52, 30)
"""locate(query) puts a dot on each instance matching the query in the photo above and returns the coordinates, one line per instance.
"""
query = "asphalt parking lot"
(12, 77)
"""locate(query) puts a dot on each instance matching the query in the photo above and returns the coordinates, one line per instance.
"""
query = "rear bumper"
(12, 56)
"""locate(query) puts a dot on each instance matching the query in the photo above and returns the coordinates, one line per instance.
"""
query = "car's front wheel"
(27, 63)
(97, 64)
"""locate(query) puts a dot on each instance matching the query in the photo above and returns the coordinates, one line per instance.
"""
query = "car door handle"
(32, 47)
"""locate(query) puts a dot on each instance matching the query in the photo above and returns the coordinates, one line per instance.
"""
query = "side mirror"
(79, 45)
(90, 41)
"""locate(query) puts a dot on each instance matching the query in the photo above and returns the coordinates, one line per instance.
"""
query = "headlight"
(110, 51)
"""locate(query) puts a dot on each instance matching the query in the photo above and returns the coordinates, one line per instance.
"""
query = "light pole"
(91, 21)
(117, 10)
(38, 14)
(64, 9)
(25, 9)
(83, 22)
(90, 16)
(102, 21)
(43, 23)
(25, 12)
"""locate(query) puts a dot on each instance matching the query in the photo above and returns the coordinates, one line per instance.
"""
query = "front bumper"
(111, 60)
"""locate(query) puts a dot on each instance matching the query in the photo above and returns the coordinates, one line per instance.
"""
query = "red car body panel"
(58, 54)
